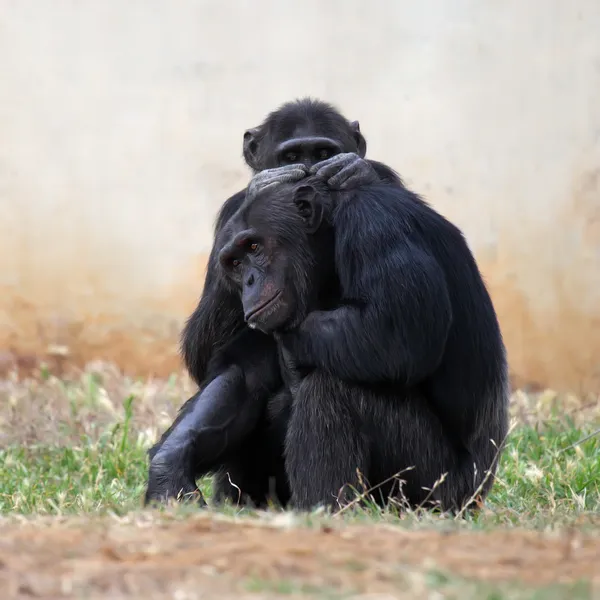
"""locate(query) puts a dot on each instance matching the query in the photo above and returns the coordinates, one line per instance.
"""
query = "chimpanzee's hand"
(345, 171)
(289, 370)
(272, 177)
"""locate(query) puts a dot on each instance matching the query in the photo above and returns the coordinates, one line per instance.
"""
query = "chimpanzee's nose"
(250, 280)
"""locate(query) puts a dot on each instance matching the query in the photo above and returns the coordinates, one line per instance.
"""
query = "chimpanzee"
(389, 342)
(300, 137)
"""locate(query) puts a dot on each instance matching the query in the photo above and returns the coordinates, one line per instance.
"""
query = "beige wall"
(120, 135)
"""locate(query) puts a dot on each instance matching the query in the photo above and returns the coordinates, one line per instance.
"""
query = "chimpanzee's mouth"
(264, 306)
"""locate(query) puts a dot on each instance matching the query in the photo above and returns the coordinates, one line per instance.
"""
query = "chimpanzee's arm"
(202, 425)
(219, 315)
(396, 312)
(386, 174)
(214, 422)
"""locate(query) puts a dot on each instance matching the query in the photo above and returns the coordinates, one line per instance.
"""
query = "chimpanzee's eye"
(235, 263)
(253, 247)
(291, 157)
(324, 154)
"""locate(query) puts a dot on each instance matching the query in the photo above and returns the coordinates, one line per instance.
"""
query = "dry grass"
(75, 446)
(208, 556)
(48, 410)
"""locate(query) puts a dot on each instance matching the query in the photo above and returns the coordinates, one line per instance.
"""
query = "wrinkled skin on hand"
(341, 172)
(272, 177)
(345, 171)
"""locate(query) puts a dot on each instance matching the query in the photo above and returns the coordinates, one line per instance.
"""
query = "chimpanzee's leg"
(255, 474)
(326, 448)
(395, 440)
(213, 423)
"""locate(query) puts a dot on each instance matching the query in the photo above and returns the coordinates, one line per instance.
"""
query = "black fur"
(398, 361)
(216, 328)
(224, 428)
(218, 315)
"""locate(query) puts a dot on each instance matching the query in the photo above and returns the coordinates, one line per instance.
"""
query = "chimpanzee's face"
(270, 258)
(304, 149)
(301, 134)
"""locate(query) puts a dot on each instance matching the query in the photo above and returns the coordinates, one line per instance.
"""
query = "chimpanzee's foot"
(167, 481)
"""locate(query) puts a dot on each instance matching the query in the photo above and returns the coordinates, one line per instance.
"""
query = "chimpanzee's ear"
(309, 203)
(251, 148)
(361, 143)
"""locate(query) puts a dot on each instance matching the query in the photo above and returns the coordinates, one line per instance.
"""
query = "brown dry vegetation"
(211, 555)
(208, 557)
(33, 408)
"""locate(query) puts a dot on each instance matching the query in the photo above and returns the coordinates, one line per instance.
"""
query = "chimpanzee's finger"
(260, 183)
(326, 168)
(287, 176)
(353, 181)
(282, 170)
(336, 181)
(293, 171)
(357, 173)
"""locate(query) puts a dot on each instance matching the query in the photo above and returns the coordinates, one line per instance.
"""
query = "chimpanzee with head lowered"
(301, 137)
(390, 345)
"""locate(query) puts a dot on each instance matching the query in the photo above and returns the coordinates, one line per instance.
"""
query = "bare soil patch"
(210, 557)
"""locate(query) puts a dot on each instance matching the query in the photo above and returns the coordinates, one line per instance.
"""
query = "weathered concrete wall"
(121, 126)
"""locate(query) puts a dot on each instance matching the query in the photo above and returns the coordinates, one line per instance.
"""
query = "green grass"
(542, 480)
(445, 585)
(78, 447)
(454, 587)
(284, 587)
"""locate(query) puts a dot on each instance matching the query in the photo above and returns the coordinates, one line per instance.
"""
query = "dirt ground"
(208, 557)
